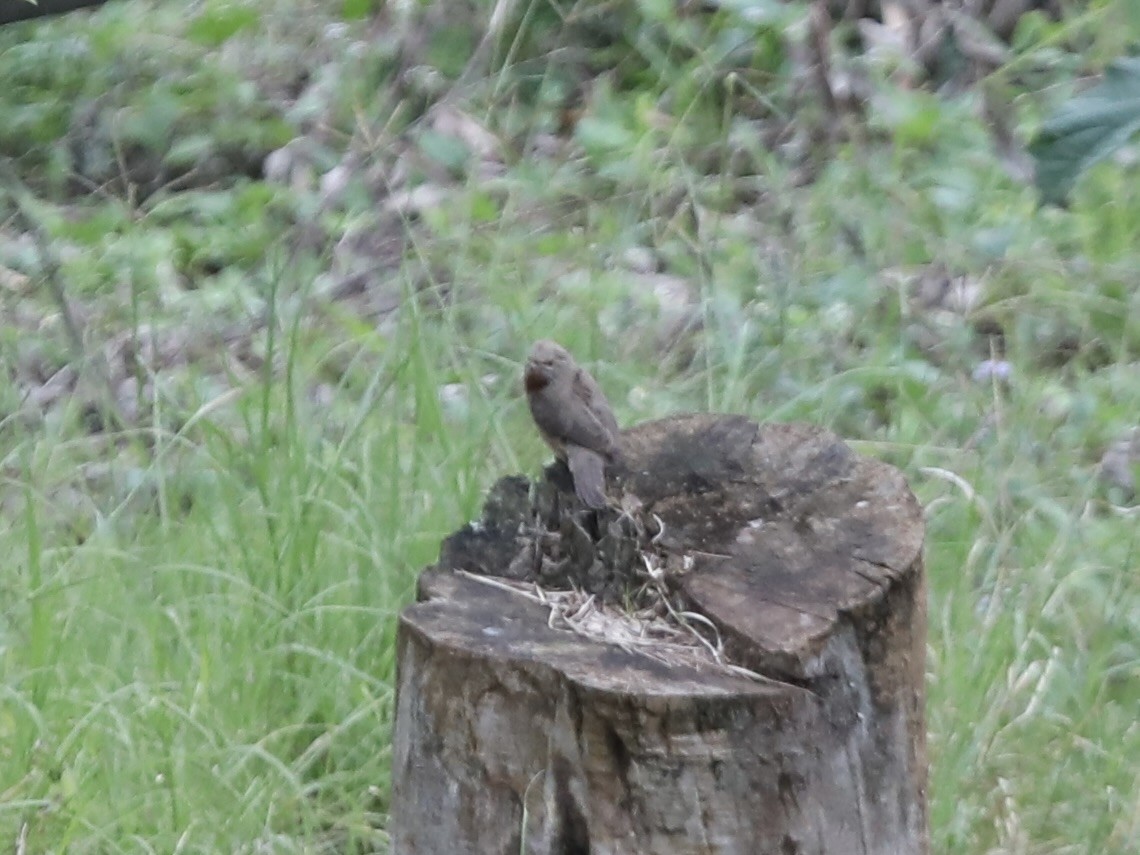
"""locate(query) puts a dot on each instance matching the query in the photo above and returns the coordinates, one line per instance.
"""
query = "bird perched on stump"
(573, 416)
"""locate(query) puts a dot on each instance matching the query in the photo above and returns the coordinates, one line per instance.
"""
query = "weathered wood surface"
(807, 557)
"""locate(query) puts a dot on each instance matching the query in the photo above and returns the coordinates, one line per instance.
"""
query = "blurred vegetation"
(267, 273)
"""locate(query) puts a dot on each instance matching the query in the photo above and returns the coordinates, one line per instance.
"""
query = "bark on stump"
(806, 557)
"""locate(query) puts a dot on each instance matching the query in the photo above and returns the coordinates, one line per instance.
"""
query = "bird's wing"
(586, 388)
(589, 471)
(580, 426)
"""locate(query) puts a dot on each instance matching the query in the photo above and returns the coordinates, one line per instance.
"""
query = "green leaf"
(445, 149)
(601, 136)
(484, 208)
(1087, 129)
(190, 150)
(450, 47)
(219, 22)
(755, 11)
(151, 121)
(354, 9)
(914, 117)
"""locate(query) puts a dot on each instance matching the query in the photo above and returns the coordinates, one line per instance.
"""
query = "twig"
(671, 642)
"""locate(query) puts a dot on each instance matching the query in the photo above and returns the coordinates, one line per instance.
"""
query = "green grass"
(197, 612)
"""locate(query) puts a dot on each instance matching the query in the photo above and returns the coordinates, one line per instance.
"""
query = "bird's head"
(543, 364)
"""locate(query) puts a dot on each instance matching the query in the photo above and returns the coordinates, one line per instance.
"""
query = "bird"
(573, 417)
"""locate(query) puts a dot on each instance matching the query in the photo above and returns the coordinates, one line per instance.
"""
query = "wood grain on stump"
(515, 735)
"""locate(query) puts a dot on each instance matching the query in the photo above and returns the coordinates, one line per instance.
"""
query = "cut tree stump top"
(807, 529)
(785, 528)
(807, 559)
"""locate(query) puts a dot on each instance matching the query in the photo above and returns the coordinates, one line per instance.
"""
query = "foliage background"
(267, 272)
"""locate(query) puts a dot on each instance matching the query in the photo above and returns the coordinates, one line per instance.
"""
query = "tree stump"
(793, 724)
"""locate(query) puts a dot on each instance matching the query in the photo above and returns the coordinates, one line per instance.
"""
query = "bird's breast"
(535, 381)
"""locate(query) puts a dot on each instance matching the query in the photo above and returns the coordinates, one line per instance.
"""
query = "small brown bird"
(573, 416)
